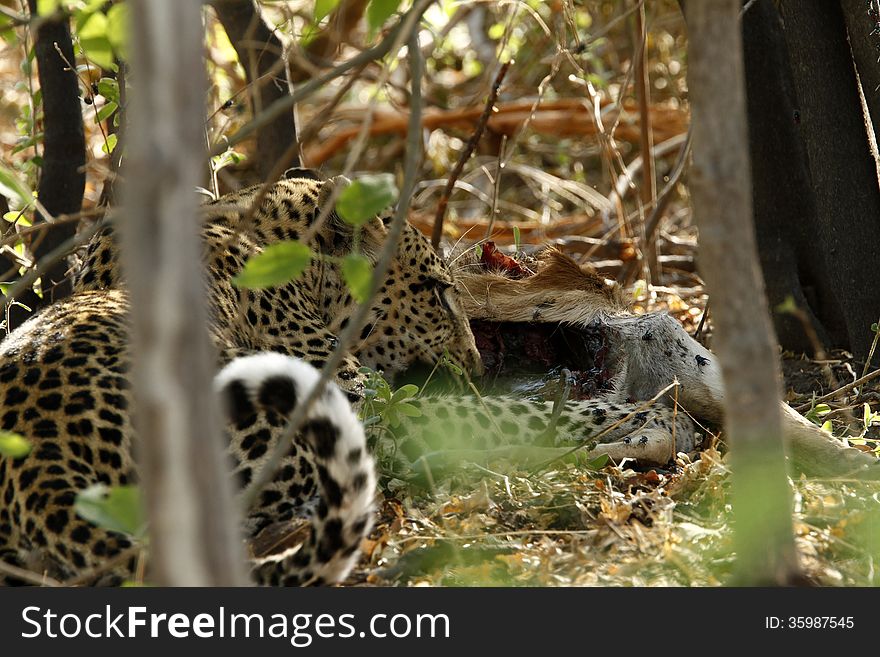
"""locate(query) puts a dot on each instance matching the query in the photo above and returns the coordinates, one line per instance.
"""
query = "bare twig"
(466, 154)
(27, 575)
(15, 236)
(872, 349)
(702, 323)
(50, 259)
(665, 195)
(643, 90)
(836, 393)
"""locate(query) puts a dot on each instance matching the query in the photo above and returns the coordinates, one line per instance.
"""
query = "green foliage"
(14, 446)
(279, 263)
(110, 144)
(449, 364)
(16, 217)
(109, 88)
(864, 440)
(379, 11)
(599, 462)
(357, 271)
(13, 188)
(226, 159)
(365, 198)
(322, 9)
(382, 404)
(817, 412)
(787, 307)
(117, 29)
(101, 35)
(91, 32)
(116, 508)
(46, 7)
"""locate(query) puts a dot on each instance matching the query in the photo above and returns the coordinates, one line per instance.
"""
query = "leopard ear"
(302, 172)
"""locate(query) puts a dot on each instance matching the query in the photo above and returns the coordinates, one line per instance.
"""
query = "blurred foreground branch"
(721, 189)
(194, 531)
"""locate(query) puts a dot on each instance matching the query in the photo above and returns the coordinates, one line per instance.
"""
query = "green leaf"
(110, 144)
(404, 408)
(827, 427)
(106, 111)
(787, 306)
(495, 31)
(599, 462)
(12, 188)
(117, 29)
(378, 12)
(117, 508)
(226, 159)
(365, 198)
(357, 271)
(516, 238)
(405, 392)
(17, 218)
(277, 264)
(322, 8)
(92, 33)
(46, 7)
(478, 250)
(109, 88)
(14, 446)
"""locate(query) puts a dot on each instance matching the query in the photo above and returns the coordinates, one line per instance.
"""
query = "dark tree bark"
(62, 176)
(843, 171)
(786, 216)
(862, 22)
(259, 50)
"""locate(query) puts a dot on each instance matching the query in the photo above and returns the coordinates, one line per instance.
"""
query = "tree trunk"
(62, 175)
(259, 51)
(721, 190)
(194, 533)
(786, 216)
(862, 20)
(843, 171)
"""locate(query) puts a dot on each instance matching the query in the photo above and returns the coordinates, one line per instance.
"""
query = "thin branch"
(466, 154)
(359, 318)
(836, 393)
(27, 575)
(15, 236)
(52, 258)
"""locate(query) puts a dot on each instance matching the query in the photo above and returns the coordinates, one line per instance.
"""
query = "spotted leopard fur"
(64, 376)
(346, 479)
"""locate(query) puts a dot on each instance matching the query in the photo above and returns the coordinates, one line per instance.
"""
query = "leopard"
(64, 386)
(64, 383)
